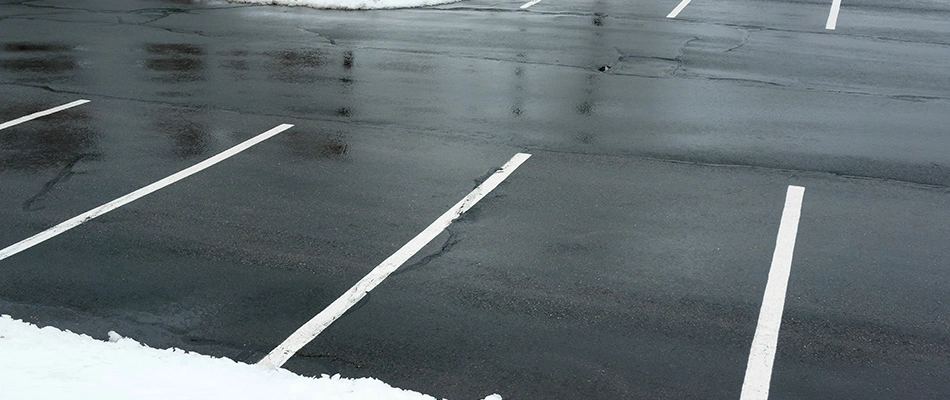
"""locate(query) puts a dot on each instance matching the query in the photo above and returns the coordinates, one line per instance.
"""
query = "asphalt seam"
(919, 185)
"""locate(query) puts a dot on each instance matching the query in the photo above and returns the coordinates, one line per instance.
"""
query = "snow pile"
(350, 4)
(48, 363)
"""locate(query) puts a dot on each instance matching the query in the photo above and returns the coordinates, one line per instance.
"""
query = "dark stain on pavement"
(176, 62)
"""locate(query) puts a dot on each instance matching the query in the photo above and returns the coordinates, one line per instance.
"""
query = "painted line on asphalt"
(758, 372)
(44, 113)
(121, 201)
(680, 7)
(306, 333)
(529, 4)
(833, 16)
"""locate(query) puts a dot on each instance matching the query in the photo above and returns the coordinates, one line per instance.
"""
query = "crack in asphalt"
(64, 175)
(447, 246)
(837, 33)
(745, 39)
(683, 161)
(675, 73)
(329, 39)
(163, 13)
(679, 56)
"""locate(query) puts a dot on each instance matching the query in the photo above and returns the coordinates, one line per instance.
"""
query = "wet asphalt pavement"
(626, 259)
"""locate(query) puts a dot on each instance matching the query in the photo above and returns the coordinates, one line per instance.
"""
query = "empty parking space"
(792, 15)
(600, 268)
(306, 333)
(128, 198)
(867, 305)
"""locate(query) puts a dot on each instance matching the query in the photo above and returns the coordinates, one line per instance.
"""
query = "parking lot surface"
(628, 257)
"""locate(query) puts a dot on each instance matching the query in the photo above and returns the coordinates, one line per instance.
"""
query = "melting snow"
(351, 4)
(49, 363)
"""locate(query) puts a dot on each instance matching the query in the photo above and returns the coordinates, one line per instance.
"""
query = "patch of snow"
(114, 337)
(47, 363)
(350, 4)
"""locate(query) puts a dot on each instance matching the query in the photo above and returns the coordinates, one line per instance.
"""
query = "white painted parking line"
(121, 201)
(680, 7)
(36, 115)
(833, 16)
(529, 4)
(758, 372)
(306, 333)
